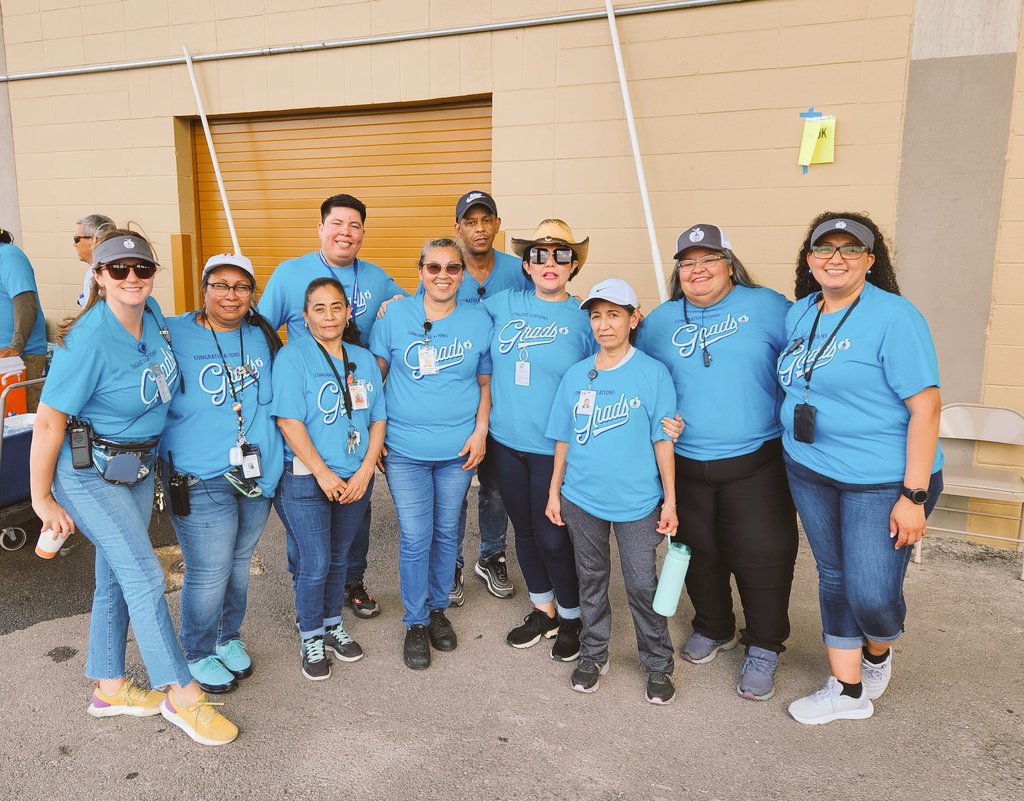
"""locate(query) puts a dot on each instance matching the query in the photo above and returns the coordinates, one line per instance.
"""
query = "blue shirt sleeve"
(289, 384)
(560, 420)
(73, 376)
(379, 336)
(664, 402)
(273, 302)
(485, 365)
(378, 407)
(907, 353)
(17, 275)
(391, 288)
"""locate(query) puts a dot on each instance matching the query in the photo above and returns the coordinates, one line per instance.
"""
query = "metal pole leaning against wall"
(659, 277)
(213, 153)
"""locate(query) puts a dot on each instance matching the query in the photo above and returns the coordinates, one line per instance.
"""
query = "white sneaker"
(875, 678)
(830, 704)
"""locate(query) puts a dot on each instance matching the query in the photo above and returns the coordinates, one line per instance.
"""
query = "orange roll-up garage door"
(408, 165)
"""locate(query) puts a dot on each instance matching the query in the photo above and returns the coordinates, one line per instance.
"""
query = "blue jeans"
(860, 572)
(217, 540)
(129, 579)
(357, 554)
(544, 550)
(319, 536)
(490, 512)
(427, 498)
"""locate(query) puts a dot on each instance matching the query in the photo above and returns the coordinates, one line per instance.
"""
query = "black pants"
(737, 516)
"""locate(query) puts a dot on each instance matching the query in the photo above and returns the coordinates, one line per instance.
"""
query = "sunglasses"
(541, 255)
(119, 272)
(80, 238)
(433, 268)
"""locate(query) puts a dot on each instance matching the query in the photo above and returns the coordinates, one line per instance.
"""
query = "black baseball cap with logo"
(476, 197)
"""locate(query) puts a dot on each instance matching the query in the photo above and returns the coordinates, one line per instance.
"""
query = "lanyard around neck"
(809, 368)
(355, 276)
(343, 385)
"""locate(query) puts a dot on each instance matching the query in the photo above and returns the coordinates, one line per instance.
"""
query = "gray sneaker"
(757, 676)
(830, 704)
(875, 678)
(700, 649)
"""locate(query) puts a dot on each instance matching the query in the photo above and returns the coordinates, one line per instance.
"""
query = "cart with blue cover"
(15, 488)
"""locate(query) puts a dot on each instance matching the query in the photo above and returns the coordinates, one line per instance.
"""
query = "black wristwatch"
(918, 496)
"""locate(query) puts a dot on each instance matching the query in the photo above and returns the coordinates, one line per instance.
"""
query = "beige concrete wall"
(717, 93)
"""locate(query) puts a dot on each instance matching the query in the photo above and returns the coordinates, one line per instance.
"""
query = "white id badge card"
(428, 359)
(522, 374)
(161, 384)
(588, 397)
(299, 468)
(360, 398)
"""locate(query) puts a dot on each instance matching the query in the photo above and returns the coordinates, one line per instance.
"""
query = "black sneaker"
(586, 676)
(416, 650)
(494, 573)
(457, 594)
(360, 601)
(337, 641)
(660, 689)
(535, 625)
(442, 635)
(315, 664)
(567, 644)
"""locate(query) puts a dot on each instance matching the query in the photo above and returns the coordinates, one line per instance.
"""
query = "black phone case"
(803, 422)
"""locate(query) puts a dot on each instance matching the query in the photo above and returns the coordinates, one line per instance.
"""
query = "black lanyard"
(236, 406)
(349, 367)
(703, 332)
(809, 368)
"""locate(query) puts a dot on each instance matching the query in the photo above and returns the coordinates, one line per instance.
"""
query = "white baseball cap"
(613, 290)
(228, 260)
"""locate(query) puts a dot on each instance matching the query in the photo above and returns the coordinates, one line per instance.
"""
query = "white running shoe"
(830, 704)
(875, 678)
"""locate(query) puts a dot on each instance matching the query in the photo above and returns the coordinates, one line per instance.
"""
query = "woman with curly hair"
(860, 422)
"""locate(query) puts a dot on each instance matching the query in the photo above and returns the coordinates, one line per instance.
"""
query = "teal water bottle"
(673, 574)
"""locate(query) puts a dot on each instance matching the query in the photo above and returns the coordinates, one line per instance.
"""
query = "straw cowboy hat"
(553, 232)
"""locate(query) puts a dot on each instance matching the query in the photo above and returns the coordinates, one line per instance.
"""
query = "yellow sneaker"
(200, 720)
(129, 700)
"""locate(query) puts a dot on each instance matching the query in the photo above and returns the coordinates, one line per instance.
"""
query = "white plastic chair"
(981, 423)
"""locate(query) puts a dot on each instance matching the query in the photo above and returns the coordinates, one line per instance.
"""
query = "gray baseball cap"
(130, 246)
(844, 225)
(702, 236)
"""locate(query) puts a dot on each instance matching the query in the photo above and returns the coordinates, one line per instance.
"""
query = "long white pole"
(213, 153)
(659, 277)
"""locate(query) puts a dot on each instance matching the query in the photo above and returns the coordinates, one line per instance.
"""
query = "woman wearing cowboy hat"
(539, 334)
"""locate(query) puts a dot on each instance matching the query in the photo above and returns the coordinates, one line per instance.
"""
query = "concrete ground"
(490, 722)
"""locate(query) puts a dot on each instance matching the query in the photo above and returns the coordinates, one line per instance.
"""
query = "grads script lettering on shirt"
(604, 418)
(792, 365)
(447, 355)
(331, 402)
(149, 390)
(689, 336)
(214, 382)
(521, 333)
(360, 301)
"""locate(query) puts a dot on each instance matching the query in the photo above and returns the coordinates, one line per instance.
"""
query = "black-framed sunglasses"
(848, 252)
(541, 255)
(119, 272)
(433, 268)
(80, 238)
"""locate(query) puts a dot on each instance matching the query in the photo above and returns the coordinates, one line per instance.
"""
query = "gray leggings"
(637, 541)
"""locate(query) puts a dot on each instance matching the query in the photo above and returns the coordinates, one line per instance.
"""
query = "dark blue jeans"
(860, 572)
(357, 554)
(490, 512)
(319, 533)
(544, 550)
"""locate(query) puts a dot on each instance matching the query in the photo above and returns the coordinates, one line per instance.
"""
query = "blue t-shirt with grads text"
(507, 273)
(285, 294)
(430, 416)
(306, 389)
(549, 337)
(730, 407)
(882, 355)
(17, 277)
(611, 470)
(201, 427)
(106, 376)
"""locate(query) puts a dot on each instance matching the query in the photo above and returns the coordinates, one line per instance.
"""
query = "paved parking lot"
(490, 722)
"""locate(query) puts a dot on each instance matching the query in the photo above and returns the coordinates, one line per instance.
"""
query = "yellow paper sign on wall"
(818, 144)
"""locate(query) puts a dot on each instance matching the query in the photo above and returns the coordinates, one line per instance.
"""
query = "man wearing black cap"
(488, 272)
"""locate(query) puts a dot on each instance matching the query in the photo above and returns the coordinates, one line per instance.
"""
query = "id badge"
(251, 465)
(522, 374)
(161, 384)
(428, 359)
(360, 397)
(588, 397)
